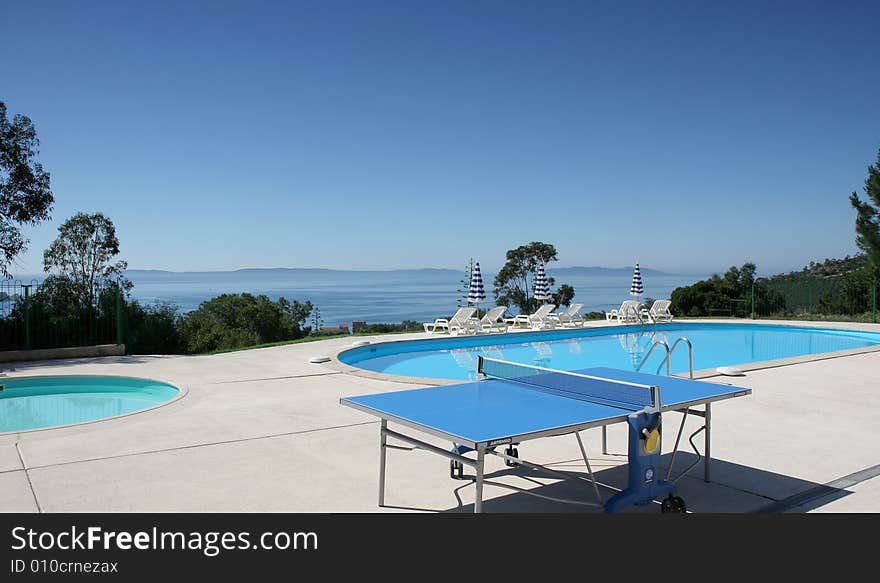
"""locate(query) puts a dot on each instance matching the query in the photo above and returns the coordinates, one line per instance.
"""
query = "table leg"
(707, 447)
(382, 455)
(481, 462)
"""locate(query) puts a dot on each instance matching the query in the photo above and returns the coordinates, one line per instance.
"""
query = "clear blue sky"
(218, 135)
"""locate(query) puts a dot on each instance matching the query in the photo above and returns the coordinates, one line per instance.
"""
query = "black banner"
(133, 546)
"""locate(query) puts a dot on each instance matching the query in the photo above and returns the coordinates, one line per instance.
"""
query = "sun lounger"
(540, 319)
(493, 320)
(659, 312)
(462, 320)
(628, 313)
(571, 316)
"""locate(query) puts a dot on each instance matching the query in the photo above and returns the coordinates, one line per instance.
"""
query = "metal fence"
(27, 322)
(830, 299)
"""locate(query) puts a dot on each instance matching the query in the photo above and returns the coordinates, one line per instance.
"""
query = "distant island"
(576, 270)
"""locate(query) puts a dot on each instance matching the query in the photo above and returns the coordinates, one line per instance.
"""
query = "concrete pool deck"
(262, 430)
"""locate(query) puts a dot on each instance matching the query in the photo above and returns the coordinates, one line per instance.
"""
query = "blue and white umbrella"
(542, 286)
(476, 292)
(636, 288)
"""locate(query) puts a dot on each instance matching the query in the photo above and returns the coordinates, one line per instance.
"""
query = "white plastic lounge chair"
(659, 312)
(571, 316)
(540, 319)
(493, 320)
(461, 320)
(627, 313)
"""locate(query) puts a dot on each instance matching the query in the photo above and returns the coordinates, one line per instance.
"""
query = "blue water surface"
(37, 402)
(617, 347)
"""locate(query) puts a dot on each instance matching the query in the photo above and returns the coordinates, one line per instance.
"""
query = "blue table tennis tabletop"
(495, 411)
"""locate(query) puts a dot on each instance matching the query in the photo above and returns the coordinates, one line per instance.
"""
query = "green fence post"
(753, 300)
(27, 317)
(120, 330)
(874, 301)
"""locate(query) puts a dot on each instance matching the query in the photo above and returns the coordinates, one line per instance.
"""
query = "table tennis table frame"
(482, 448)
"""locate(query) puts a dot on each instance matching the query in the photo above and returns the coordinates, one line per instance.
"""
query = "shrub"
(153, 329)
(233, 321)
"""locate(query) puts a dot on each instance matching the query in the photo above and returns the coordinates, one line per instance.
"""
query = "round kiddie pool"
(37, 402)
(621, 347)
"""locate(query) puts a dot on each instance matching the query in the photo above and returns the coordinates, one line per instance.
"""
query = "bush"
(729, 294)
(405, 326)
(153, 329)
(232, 321)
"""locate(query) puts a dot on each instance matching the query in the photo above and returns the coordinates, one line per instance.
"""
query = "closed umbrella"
(476, 292)
(637, 288)
(542, 286)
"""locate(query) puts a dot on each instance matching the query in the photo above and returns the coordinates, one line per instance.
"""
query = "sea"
(380, 296)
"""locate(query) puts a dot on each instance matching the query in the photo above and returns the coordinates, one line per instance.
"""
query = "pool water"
(617, 347)
(37, 402)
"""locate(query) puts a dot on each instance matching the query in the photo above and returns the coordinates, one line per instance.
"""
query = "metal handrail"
(668, 358)
(671, 350)
(651, 351)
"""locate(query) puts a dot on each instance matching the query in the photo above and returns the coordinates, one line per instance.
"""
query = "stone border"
(340, 366)
(62, 353)
(182, 391)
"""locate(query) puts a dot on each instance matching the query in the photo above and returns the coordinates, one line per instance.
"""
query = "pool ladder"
(668, 358)
(706, 415)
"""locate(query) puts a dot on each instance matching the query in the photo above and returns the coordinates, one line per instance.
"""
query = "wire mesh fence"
(829, 299)
(28, 323)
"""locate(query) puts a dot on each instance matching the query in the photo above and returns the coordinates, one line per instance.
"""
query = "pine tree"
(868, 218)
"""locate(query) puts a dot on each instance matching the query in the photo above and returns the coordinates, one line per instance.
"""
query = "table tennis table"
(514, 403)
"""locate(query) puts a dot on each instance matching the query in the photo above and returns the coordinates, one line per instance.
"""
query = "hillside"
(827, 269)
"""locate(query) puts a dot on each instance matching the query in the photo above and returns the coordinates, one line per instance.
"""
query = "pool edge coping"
(182, 391)
(335, 364)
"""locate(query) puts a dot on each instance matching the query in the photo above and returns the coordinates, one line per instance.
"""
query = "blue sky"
(220, 135)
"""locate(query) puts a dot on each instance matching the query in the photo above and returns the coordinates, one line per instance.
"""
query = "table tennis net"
(605, 391)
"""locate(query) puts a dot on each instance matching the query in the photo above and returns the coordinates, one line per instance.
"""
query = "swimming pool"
(617, 347)
(37, 402)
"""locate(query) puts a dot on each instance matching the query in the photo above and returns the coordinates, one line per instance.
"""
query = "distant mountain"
(289, 270)
(280, 272)
(605, 271)
(577, 270)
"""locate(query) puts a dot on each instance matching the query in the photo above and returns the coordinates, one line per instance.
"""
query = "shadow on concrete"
(734, 488)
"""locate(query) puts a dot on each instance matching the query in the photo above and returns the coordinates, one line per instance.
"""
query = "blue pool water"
(36, 402)
(617, 347)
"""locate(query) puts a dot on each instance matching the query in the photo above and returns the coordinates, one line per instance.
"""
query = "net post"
(480, 365)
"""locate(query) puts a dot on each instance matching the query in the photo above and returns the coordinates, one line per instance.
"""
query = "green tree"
(317, 321)
(868, 218)
(513, 284)
(153, 329)
(299, 311)
(25, 194)
(563, 295)
(83, 253)
(238, 320)
(724, 295)
(464, 284)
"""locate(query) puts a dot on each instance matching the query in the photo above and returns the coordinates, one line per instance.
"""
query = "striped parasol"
(637, 289)
(476, 292)
(542, 286)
